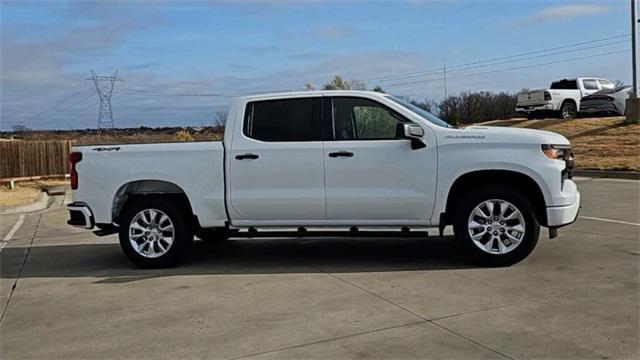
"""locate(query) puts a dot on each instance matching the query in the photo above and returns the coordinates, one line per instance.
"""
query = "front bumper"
(598, 108)
(80, 215)
(558, 216)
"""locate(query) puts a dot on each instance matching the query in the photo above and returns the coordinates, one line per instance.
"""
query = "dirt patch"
(599, 143)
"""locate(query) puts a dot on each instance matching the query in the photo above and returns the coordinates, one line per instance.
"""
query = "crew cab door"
(589, 86)
(275, 163)
(372, 174)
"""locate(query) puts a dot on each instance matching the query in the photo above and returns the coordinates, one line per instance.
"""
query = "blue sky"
(173, 54)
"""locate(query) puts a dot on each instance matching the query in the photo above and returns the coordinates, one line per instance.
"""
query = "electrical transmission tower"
(104, 87)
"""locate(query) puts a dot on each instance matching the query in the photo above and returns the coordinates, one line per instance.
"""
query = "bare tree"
(20, 128)
(221, 118)
(338, 83)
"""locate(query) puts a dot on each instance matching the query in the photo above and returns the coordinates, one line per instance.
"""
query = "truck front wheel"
(154, 232)
(496, 226)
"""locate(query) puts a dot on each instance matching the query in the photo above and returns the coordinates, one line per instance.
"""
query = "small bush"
(184, 135)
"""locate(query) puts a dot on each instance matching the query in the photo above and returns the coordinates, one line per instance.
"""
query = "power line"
(438, 69)
(79, 110)
(65, 99)
(57, 112)
(439, 72)
(59, 115)
(459, 68)
(511, 68)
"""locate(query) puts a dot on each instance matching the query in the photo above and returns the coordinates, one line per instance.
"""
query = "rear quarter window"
(284, 120)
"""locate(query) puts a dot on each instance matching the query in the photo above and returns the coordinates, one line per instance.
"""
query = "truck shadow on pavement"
(246, 256)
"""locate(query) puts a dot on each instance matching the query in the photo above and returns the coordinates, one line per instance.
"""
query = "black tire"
(182, 231)
(568, 110)
(470, 201)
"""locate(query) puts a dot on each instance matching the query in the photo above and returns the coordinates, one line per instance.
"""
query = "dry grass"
(18, 195)
(599, 143)
(124, 136)
(26, 192)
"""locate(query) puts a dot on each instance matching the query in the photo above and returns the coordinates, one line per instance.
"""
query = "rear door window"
(590, 84)
(284, 120)
(564, 85)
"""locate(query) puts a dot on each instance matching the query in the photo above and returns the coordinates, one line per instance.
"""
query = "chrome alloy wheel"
(496, 226)
(151, 233)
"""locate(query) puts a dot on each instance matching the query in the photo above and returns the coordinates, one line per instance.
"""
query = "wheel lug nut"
(502, 229)
(495, 233)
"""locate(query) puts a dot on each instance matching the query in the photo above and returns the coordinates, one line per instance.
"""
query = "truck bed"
(196, 168)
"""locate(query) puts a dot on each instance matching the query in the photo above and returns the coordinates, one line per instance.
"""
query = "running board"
(351, 232)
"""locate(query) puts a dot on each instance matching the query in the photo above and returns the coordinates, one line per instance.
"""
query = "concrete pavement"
(67, 294)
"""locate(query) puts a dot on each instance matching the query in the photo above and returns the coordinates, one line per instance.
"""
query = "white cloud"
(566, 12)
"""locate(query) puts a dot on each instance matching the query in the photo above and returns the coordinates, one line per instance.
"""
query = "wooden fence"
(34, 158)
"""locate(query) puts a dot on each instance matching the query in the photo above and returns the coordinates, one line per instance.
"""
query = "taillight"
(547, 95)
(74, 158)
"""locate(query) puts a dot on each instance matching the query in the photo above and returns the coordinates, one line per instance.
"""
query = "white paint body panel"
(385, 183)
(196, 168)
(384, 180)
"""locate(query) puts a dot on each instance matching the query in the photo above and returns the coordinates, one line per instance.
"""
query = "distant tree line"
(473, 107)
(464, 108)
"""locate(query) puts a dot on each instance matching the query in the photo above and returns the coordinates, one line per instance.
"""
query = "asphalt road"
(67, 294)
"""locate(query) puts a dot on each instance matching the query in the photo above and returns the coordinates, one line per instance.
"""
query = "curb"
(629, 175)
(41, 202)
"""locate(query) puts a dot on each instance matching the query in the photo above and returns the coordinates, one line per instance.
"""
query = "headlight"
(557, 152)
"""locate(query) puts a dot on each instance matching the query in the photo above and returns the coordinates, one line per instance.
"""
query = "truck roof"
(294, 94)
(581, 78)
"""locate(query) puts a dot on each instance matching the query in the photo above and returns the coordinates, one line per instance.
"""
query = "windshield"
(420, 112)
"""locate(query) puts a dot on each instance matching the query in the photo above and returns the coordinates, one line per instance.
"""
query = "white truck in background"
(327, 159)
(561, 99)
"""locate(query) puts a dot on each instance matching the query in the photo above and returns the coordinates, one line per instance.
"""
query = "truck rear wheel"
(568, 110)
(496, 226)
(154, 232)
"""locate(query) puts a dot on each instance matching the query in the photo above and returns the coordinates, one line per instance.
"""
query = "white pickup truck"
(313, 161)
(562, 98)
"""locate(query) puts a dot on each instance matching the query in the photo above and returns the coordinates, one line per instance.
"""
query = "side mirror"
(414, 133)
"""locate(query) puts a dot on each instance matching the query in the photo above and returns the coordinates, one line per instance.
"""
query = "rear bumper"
(558, 216)
(80, 215)
(534, 107)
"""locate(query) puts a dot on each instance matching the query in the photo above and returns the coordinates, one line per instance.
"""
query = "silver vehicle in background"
(606, 101)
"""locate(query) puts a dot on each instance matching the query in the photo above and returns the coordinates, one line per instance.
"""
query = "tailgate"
(531, 98)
